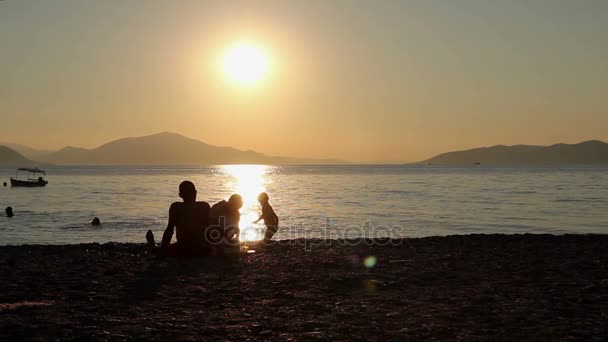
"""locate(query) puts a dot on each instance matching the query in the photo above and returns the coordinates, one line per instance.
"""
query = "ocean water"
(311, 201)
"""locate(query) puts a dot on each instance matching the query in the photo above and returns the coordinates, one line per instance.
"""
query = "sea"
(352, 201)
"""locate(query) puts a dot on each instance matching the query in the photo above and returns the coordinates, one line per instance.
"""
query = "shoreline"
(320, 241)
(457, 287)
(378, 241)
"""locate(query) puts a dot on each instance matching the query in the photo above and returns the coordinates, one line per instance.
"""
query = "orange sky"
(362, 81)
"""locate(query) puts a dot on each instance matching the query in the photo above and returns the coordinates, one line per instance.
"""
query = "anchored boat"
(29, 177)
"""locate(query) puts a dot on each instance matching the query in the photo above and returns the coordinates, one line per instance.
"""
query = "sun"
(245, 64)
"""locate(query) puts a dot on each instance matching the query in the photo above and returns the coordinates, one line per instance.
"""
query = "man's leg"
(150, 239)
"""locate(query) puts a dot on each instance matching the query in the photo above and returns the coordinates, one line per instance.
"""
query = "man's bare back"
(190, 219)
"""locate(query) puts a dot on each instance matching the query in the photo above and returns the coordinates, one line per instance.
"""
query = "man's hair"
(187, 188)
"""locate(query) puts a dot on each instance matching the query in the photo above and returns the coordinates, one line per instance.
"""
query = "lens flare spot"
(370, 261)
(370, 285)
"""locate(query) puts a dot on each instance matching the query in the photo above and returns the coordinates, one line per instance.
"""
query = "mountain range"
(27, 151)
(160, 149)
(588, 152)
(10, 157)
(175, 149)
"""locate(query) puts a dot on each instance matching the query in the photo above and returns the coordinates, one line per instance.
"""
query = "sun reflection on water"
(248, 181)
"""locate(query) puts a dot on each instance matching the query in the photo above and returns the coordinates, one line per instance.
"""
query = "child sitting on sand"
(225, 216)
(271, 220)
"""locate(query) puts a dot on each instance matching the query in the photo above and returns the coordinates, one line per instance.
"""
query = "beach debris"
(95, 221)
(13, 306)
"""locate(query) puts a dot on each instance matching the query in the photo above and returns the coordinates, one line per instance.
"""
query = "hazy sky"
(360, 80)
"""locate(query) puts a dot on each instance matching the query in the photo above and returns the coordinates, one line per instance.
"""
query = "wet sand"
(476, 287)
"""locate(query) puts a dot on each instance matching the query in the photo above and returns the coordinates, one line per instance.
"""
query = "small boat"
(32, 178)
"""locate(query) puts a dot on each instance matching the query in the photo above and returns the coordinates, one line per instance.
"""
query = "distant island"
(157, 149)
(588, 152)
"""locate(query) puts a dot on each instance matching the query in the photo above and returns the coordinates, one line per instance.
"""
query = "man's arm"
(168, 234)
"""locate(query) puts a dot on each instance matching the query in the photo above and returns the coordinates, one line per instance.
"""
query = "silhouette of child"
(271, 220)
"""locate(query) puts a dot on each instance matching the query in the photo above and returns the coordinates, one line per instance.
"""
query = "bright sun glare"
(245, 64)
(248, 181)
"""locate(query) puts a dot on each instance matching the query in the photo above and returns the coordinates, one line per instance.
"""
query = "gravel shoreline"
(469, 287)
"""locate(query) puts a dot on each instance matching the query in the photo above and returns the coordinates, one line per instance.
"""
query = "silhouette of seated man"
(190, 219)
(225, 218)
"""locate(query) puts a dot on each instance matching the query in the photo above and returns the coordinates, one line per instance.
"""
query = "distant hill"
(588, 152)
(10, 157)
(167, 149)
(26, 151)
